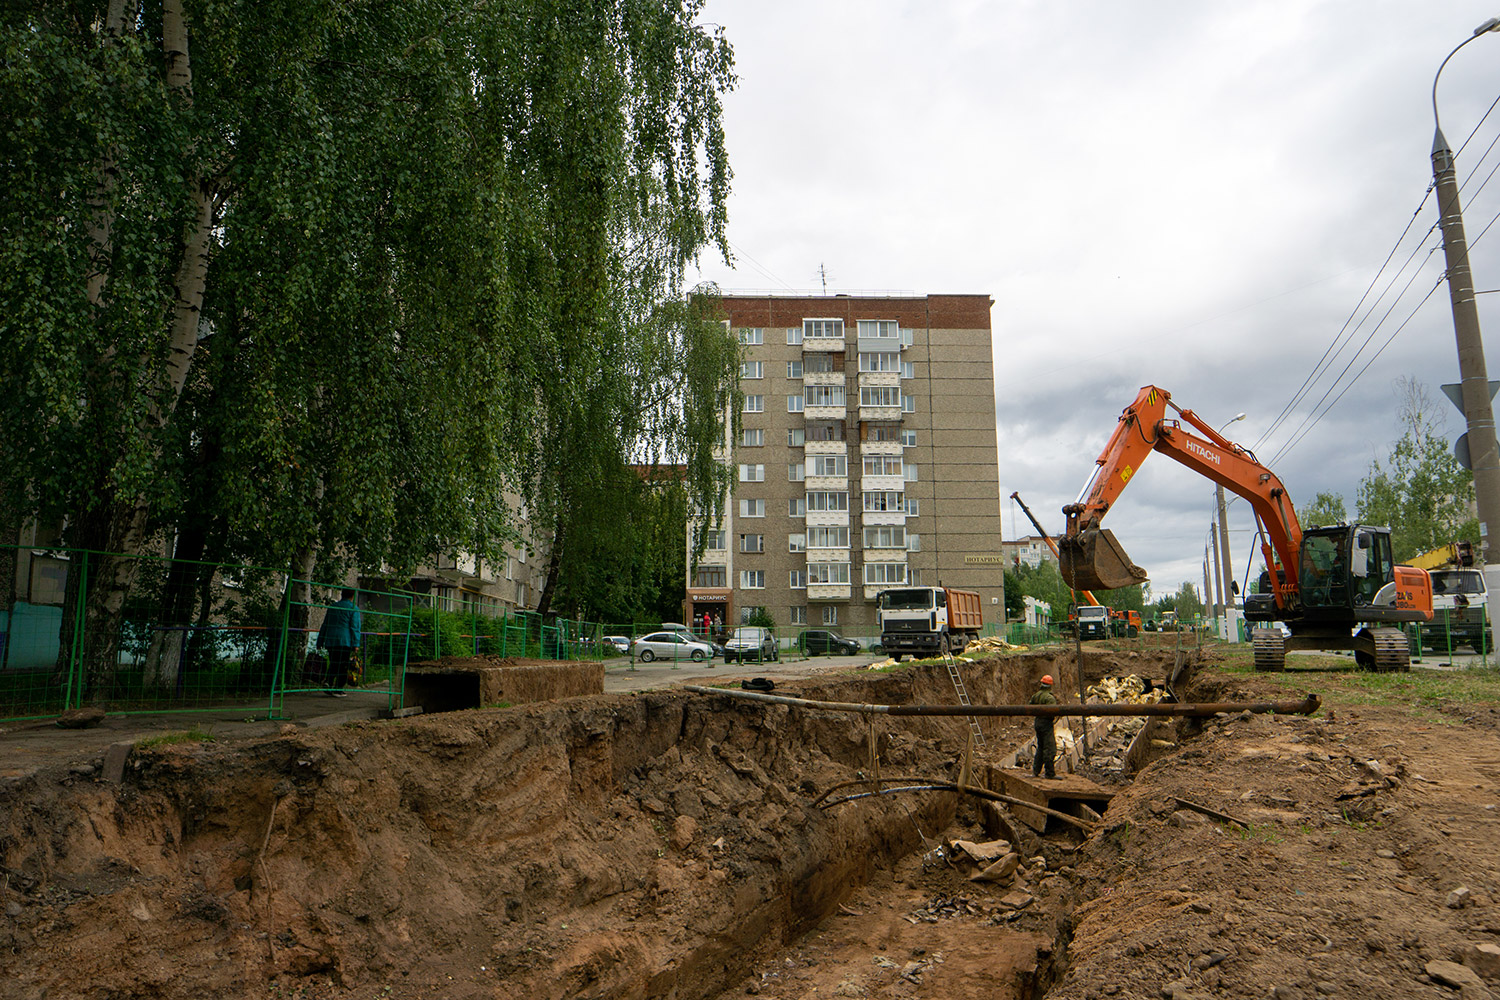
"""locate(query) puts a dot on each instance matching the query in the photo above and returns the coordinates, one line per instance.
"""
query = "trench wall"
(649, 845)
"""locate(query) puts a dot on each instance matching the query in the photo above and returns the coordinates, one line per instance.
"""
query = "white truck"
(1459, 611)
(928, 620)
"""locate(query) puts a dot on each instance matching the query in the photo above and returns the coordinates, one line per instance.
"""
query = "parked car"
(818, 640)
(670, 646)
(619, 643)
(752, 642)
(688, 636)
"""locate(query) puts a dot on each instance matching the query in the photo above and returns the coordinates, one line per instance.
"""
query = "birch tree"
(318, 284)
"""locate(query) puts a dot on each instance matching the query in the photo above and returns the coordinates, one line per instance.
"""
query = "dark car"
(817, 640)
(749, 642)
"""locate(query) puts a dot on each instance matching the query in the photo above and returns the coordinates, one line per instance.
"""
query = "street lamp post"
(1484, 459)
(1226, 566)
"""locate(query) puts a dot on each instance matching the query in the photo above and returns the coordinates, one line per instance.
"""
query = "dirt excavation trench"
(666, 844)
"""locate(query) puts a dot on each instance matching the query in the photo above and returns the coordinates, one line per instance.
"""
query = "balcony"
(882, 484)
(825, 412)
(811, 448)
(828, 591)
(831, 519)
(840, 483)
(880, 448)
(822, 378)
(873, 518)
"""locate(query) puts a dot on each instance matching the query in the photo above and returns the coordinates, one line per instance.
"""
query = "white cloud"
(1186, 194)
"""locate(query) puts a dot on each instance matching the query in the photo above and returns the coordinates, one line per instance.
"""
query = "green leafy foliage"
(1325, 509)
(1420, 491)
(444, 247)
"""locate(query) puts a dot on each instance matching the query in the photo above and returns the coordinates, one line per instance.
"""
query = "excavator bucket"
(1094, 560)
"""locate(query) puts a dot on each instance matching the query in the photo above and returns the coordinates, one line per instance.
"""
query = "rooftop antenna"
(823, 273)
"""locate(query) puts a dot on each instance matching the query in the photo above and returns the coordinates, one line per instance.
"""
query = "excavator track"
(1391, 650)
(1270, 649)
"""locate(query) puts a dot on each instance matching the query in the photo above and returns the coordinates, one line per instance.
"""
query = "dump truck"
(1336, 587)
(928, 620)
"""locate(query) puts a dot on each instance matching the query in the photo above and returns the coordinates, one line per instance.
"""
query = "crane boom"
(1088, 595)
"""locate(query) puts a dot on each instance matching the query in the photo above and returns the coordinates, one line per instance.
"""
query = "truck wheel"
(897, 656)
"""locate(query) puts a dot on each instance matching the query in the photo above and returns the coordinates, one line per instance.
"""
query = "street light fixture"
(1475, 383)
(1226, 566)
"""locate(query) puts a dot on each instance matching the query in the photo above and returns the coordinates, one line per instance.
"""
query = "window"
(510, 568)
(908, 404)
(794, 369)
(884, 329)
(908, 370)
(879, 362)
(794, 335)
(521, 594)
(830, 465)
(882, 465)
(796, 473)
(752, 437)
(877, 574)
(827, 500)
(752, 508)
(799, 615)
(884, 500)
(882, 432)
(709, 576)
(796, 507)
(794, 403)
(752, 579)
(752, 369)
(752, 473)
(797, 579)
(913, 508)
(752, 543)
(795, 437)
(818, 364)
(828, 538)
(715, 540)
(879, 395)
(914, 543)
(796, 543)
(825, 430)
(752, 335)
(886, 537)
(828, 572)
(913, 577)
(745, 614)
(755, 404)
(822, 329)
(909, 439)
(830, 615)
(910, 472)
(907, 337)
(824, 395)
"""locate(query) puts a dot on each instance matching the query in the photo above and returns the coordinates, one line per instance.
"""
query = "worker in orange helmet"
(1046, 738)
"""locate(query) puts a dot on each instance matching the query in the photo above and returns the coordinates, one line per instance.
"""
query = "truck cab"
(927, 620)
(1459, 611)
(1093, 621)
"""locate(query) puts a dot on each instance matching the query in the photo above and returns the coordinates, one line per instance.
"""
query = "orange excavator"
(1335, 588)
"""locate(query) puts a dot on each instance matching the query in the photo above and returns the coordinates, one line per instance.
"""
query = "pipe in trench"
(1307, 706)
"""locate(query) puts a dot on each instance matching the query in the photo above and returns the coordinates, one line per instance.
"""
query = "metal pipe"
(1307, 706)
(983, 793)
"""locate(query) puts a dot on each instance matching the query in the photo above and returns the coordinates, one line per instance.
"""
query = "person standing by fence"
(340, 636)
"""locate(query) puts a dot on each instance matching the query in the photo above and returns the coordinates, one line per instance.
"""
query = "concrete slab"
(1061, 793)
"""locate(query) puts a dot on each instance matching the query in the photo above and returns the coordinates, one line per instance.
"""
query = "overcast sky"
(1184, 194)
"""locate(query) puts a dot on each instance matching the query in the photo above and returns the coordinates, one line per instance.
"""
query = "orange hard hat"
(1047, 679)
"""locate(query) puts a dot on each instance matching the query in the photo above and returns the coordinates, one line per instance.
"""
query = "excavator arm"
(1087, 595)
(1090, 557)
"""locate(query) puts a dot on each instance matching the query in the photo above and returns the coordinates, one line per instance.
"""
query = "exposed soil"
(666, 845)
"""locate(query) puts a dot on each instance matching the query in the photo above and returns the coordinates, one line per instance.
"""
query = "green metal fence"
(135, 634)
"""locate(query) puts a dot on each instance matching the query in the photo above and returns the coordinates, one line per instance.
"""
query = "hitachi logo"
(1203, 452)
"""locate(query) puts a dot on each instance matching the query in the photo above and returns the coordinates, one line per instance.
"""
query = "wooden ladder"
(963, 697)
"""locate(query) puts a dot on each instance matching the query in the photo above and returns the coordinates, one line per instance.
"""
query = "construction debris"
(1132, 690)
(992, 644)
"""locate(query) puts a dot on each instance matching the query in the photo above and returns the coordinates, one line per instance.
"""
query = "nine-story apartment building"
(866, 460)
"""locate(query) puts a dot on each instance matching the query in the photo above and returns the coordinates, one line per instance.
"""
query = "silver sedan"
(670, 646)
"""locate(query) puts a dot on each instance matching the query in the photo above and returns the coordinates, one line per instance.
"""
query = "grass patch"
(194, 735)
(1339, 681)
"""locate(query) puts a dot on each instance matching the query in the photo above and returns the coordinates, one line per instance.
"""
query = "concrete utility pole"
(1231, 623)
(1213, 536)
(1483, 455)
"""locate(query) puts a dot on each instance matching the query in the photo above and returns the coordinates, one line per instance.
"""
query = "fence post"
(74, 687)
(278, 675)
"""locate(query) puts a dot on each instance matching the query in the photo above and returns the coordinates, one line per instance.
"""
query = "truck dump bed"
(965, 611)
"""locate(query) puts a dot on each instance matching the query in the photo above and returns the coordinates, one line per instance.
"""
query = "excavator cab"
(1346, 569)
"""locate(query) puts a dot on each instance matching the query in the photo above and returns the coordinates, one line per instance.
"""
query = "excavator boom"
(1090, 555)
